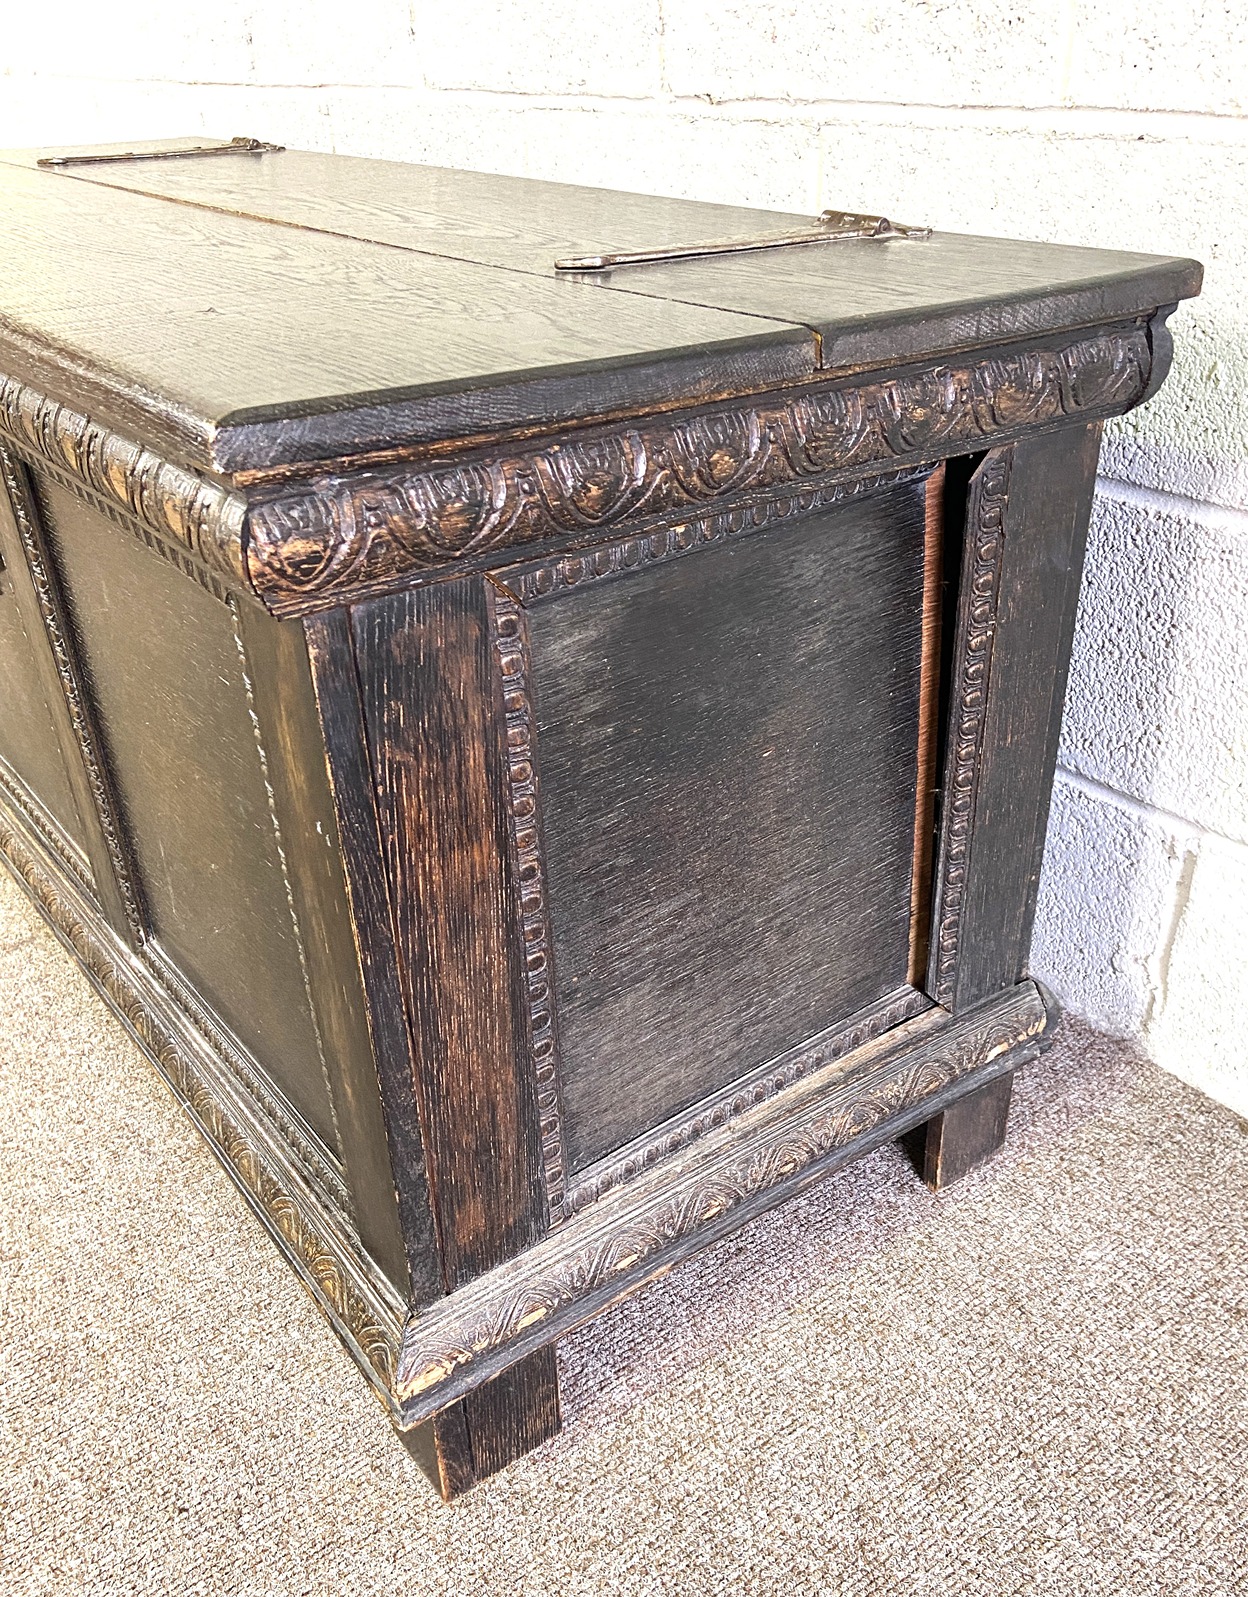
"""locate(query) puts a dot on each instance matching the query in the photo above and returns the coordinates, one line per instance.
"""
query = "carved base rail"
(616, 1246)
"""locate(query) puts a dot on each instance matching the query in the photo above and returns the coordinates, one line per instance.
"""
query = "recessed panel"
(28, 738)
(167, 682)
(727, 745)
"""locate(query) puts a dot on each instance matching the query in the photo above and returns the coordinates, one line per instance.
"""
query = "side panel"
(434, 719)
(1027, 521)
(169, 693)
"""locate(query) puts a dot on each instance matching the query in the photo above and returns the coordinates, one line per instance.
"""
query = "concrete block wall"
(1112, 122)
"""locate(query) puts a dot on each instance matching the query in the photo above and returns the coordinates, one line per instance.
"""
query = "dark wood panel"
(434, 724)
(952, 1144)
(331, 663)
(728, 746)
(513, 1413)
(349, 1025)
(491, 1427)
(868, 301)
(1048, 503)
(167, 684)
(41, 601)
(28, 735)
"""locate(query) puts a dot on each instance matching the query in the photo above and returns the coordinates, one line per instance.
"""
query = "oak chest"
(548, 759)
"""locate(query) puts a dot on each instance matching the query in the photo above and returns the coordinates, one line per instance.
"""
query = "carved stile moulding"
(972, 671)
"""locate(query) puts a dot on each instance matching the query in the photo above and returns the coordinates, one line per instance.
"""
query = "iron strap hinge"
(240, 146)
(829, 227)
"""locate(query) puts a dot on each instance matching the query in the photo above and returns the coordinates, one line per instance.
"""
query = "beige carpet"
(1036, 1383)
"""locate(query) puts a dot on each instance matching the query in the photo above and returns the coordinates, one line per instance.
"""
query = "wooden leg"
(474, 1438)
(968, 1132)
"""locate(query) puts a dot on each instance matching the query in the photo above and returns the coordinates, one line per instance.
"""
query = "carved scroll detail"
(977, 613)
(366, 1320)
(464, 1338)
(200, 515)
(366, 530)
(511, 648)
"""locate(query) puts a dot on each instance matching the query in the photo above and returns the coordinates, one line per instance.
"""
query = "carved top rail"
(317, 540)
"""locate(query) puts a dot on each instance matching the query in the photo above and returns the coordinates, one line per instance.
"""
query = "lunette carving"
(544, 578)
(721, 1108)
(333, 534)
(501, 1315)
(363, 1309)
(176, 503)
(80, 713)
(511, 650)
(973, 649)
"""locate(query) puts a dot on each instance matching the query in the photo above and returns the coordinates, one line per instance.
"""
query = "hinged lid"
(293, 307)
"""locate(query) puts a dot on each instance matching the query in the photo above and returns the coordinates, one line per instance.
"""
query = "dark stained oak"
(547, 767)
(1045, 517)
(30, 743)
(427, 693)
(727, 747)
(170, 691)
(867, 301)
(293, 341)
(955, 1142)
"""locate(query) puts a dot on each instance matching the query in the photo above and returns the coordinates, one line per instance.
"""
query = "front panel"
(726, 741)
(29, 745)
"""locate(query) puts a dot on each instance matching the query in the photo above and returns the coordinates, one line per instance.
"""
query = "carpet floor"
(1036, 1383)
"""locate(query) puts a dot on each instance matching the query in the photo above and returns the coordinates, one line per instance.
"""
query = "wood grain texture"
(1044, 531)
(373, 959)
(288, 724)
(616, 1246)
(490, 1428)
(868, 301)
(58, 663)
(971, 1130)
(727, 754)
(434, 716)
(681, 1131)
(161, 664)
(269, 344)
(29, 742)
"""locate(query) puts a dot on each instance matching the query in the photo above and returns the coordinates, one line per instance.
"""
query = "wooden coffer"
(546, 762)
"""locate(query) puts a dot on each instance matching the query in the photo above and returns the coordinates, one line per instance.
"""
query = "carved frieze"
(176, 503)
(463, 1338)
(336, 534)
